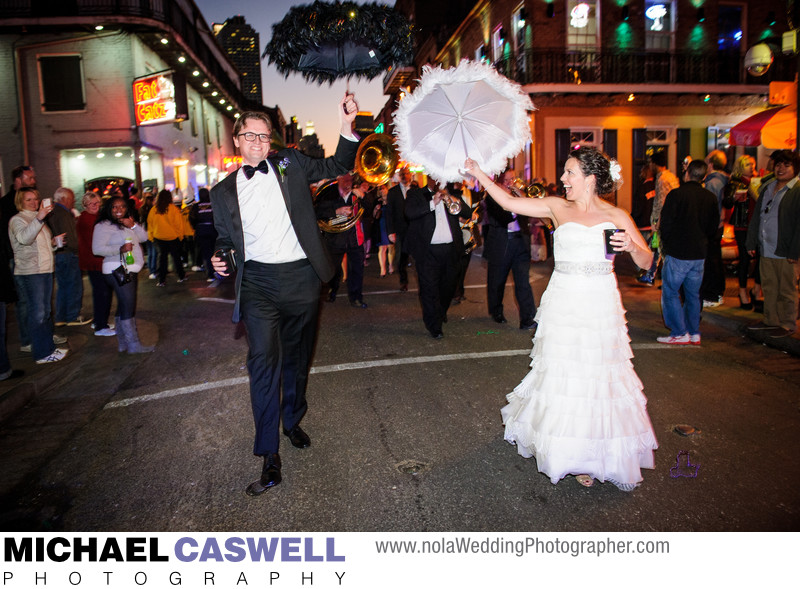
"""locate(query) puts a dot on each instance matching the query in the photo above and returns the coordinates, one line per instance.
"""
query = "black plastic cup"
(226, 255)
(608, 233)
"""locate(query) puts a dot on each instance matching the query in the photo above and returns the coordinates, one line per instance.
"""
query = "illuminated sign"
(579, 16)
(656, 13)
(160, 98)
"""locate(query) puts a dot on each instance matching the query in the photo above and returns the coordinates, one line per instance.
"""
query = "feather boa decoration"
(467, 111)
(323, 26)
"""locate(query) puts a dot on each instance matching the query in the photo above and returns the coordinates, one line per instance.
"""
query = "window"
(480, 53)
(498, 40)
(518, 26)
(583, 29)
(583, 138)
(730, 28)
(659, 24)
(61, 83)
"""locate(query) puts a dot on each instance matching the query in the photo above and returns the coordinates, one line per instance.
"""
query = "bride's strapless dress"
(580, 409)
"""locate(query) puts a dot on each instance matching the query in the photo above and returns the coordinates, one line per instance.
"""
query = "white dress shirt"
(269, 236)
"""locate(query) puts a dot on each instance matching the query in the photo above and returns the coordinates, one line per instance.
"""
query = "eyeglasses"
(263, 137)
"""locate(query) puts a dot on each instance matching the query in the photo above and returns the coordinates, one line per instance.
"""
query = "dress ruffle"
(581, 409)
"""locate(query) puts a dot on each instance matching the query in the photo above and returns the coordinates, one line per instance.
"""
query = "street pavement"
(406, 433)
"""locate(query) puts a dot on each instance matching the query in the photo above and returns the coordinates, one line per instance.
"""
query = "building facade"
(136, 92)
(628, 76)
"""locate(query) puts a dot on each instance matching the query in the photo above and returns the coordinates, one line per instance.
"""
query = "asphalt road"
(406, 431)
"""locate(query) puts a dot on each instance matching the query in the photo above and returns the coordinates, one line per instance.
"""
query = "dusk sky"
(296, 97)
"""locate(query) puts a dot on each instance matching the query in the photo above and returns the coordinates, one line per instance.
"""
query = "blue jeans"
(126, 295)
(69, 287)
(681, 318)
(37, 290)
(21, 309)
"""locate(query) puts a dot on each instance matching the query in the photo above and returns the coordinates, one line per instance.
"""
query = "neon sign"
(159, 98)
(656, 13)
(579, 16)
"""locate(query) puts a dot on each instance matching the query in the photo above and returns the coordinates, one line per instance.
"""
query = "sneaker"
(152, 277)
(694, 339)
(210, 279)
(712, 304)
(107, 332)
(55, 356)
(79, 320)
(675, 340)
(645, 280)
(59, 339)
(26, 349)
(184, 279)
(161, 284)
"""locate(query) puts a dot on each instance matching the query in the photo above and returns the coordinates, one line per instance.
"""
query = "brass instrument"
(454, 206)
(339, 223)
(522, 190)
(377, 158)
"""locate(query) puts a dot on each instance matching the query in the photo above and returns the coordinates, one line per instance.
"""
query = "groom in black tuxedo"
(264, 212)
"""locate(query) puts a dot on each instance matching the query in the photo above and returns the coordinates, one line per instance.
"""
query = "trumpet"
(522, 190)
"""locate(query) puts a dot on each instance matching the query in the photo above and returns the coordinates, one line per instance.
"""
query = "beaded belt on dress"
(586, 269)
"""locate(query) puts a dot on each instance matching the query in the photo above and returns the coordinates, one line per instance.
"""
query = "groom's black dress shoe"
(270, 476)
(297, 437)
(499, 318)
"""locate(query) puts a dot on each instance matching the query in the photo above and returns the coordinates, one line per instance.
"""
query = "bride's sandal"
(585, 480)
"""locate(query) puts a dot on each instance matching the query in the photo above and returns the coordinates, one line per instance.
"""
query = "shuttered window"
(61, 83)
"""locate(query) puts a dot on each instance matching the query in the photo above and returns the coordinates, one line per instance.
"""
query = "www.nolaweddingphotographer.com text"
(523, 547)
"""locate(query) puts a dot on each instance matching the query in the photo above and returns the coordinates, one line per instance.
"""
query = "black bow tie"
(249, 171)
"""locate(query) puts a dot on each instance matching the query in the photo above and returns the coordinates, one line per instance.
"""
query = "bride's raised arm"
(530, 207)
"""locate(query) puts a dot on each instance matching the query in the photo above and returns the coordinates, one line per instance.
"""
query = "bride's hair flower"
(615, 170)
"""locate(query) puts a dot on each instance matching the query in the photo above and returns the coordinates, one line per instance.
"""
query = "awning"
(774, 128)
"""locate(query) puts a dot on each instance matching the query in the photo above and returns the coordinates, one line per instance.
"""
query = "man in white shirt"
(265, 215)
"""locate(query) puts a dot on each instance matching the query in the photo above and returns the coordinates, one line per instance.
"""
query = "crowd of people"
(47, 245)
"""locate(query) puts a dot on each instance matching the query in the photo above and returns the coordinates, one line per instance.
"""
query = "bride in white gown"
(581, 410)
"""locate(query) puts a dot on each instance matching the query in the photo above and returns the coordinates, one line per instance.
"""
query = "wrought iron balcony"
(556, 66)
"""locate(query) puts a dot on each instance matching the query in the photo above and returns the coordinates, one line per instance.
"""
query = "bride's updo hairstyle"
(594, 162)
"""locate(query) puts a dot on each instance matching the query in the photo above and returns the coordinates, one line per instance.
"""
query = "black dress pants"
(437, 273)
(280, 309)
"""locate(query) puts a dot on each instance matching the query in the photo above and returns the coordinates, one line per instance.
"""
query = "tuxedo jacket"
(496, 239)
(299, 170)
(422, 223)
(397, 222)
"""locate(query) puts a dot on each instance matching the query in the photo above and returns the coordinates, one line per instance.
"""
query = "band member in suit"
(264, 213)
(434, 239)
(335, 200)
(507, 248)
(397, 224)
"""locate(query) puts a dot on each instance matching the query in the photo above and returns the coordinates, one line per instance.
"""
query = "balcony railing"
(556, 66)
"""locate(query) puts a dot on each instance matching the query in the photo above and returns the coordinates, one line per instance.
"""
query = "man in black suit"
(397, 224)
(264, 212)
(507, 248)
(434, 239)
(335, 200)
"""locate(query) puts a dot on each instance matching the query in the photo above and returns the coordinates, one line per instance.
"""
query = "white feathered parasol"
(466, 111)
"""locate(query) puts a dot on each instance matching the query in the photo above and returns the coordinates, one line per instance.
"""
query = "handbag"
(120, 273)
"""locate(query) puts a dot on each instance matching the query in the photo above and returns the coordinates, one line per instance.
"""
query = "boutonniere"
(282, 165)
